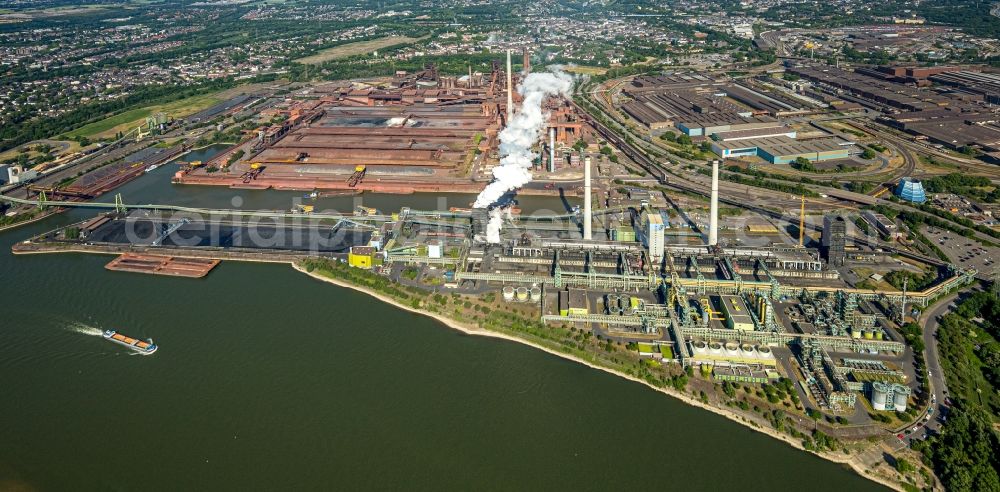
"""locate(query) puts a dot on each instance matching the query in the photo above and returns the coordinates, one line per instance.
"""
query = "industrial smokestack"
(587, 218)
(552, 150)
(510, 90)
(527, 62)
(713, 220)
(523, 131)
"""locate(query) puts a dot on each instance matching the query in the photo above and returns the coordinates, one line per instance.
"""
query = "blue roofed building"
(911, 190)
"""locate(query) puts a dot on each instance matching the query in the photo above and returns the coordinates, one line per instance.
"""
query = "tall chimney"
(552, 150)
(713, 221)
(510, 90)
(587, 219)
(527, 62)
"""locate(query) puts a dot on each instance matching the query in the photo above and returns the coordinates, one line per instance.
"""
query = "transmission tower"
(119, 204)
(902, 304)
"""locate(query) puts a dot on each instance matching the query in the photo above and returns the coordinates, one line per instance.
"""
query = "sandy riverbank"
(470, 329)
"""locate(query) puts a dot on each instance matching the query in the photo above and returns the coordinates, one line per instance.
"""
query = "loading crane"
(253, 173)
(359, 174)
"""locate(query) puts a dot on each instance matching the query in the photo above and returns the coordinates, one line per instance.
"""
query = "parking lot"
(963, 251)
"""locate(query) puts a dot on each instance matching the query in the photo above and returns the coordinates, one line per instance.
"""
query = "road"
(930, 320)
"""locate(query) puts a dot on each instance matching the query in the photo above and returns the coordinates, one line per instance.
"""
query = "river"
(267, 379)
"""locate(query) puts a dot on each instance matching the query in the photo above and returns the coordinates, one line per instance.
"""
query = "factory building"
(623, 233)
(835, 239)
(706, 126)
(653, 225)
(881, 222)
(573, 302)
(361, 257)
(18, 174)
(782, 149)
(744, 374)
(772, 131)
(911, 190)
(737, 314)
(434, 249)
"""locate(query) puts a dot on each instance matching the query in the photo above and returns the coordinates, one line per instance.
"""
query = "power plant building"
(654, 229)
(889, 396)
(737, 314)
(835, 239)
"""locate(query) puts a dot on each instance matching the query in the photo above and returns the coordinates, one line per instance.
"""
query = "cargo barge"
(144, 348)
(162, 265)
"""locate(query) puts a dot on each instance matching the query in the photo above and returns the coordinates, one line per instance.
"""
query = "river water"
(267, 379)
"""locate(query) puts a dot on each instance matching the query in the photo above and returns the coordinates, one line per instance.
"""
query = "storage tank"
(855, 333)
(522, 293)
(868, 334)
(879, 335)
(508, 293)
(611, 303)
(536, 294)
(899, 397)
(880, 395)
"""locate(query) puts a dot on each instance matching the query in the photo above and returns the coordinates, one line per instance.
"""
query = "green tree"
(903, 466)
(803, 164)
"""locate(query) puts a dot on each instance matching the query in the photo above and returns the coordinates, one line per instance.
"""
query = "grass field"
(128, 120)
(358, 48)
(585, 70)
(70, 146)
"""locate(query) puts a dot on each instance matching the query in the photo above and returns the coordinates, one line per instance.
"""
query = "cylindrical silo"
(880, 395)
(508, 293)
(536, 294)
(899, 398)
(522, 293)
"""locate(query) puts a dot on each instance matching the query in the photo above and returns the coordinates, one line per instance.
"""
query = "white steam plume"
(524, 129)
